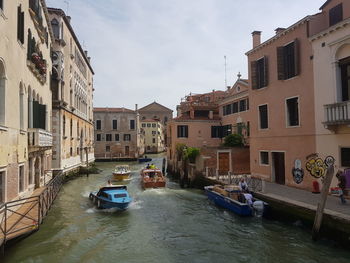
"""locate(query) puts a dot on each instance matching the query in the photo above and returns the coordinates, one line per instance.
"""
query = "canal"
(162, 225)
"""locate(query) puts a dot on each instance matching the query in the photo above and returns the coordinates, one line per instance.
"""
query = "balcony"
(337, 114)
(38, 138)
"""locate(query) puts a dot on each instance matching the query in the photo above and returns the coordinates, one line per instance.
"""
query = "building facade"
(154, 135)
(72, 95)
(25, 98)
(117, 133)
(330, 39)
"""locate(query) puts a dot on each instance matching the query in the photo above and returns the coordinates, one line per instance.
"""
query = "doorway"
(224, 163)
(126, 150)
(37, 172)
(278, 167)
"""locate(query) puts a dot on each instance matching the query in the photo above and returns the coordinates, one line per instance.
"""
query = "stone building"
(72, 95)
(155, 110)
(117, 133)
(154, 135)
(25, 98)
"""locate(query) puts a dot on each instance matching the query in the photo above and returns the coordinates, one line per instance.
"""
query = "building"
(155, 110)
(154, 135)
(117, 133)
(330, 39)
(72, 95)
(25, 98)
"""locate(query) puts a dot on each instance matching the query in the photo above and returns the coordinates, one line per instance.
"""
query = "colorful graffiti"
(318, 167)
(298, 172)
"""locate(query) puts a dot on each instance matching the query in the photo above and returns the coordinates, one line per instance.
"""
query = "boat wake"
(136, 205)
(95, 210)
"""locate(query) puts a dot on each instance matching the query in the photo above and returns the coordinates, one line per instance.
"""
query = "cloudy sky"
(160, 50)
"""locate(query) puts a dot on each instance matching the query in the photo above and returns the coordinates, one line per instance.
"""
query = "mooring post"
(321, 205)
(87, 162)
(229, 177)
(217, 174)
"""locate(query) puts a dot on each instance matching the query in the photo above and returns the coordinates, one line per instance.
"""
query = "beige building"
(25, 98)
(117, 133)
(72, 95)
(154, 136)
(330, 39)
(155, 110)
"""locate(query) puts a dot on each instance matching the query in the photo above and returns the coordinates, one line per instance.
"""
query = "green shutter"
(36, 114)
(280, 63)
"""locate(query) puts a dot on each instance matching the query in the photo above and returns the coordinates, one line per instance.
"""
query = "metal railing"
(25, 215)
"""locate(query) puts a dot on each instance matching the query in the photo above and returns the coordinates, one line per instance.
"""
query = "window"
(235, 107)
(71, 151)
(127, 137)
(165, 119)
(292, 112)
(345, 78)
(132, 124)
(264, 158)
(108, 148)
(21, 107)
(154, 132)
(154, 125)
(259, 73)
(20, 25)
(182, 131)
(71, 128)
(2, 93)
(345, 157)
(2, 185)
(263, 117)
(148, 125)
(108, 137)
(55, 28)
(335, 15)
(39, 115)
(216, 131)
(98, 137)
(64, 125)
(288, 60)
(242, 105)
(143, 125)
(226, 130)
(114, 124)
(21, 178)
(116, 137)
(98, 124)
(154, 140)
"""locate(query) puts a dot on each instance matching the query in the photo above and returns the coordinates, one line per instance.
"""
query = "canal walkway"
(306, 199)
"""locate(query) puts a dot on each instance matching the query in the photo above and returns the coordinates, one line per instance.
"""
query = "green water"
(162, 225)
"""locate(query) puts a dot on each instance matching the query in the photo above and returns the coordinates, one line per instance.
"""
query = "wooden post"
(229, 177)
(87, 161)
(217, 174)
(321, 205)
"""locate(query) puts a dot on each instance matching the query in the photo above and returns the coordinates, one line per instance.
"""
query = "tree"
(233, 140)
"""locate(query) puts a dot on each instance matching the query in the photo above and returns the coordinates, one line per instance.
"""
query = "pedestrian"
(243, 186)
(342, 185)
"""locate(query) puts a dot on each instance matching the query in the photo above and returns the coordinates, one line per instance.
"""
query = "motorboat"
(111, 196)
(152, 178)
(121, 172)
(233, 199)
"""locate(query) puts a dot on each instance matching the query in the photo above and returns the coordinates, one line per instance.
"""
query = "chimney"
(279, 30)
(86, 53)
(69, 19)
(256, 38)
(136, 107)
(89, 59)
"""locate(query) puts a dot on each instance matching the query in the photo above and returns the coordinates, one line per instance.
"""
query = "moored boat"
(231, 198)
(144, 160)
(121, 172)
(152, 178)
(111, 196)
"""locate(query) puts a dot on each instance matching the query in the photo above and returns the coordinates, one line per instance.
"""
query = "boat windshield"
(120, 195)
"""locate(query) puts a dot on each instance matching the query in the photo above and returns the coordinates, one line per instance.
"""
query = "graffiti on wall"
(298, 172)
(316, 166)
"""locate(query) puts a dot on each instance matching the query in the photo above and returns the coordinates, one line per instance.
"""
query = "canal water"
(162, 225)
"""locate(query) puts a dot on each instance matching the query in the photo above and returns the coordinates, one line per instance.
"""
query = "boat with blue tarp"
(111, 196)
(233, 199)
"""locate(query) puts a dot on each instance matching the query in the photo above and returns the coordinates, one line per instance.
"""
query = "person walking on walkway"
(342, 185)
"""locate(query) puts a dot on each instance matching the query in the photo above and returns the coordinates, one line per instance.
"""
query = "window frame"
(98, 137)
(182, 133)
(127, 135)
(116, 137)
(108, 137)
(259, 116)
(132, 124)
(288, 122)
(261, 159)
(98, 125)
(344, 163)
(115, 124)
(332, 13)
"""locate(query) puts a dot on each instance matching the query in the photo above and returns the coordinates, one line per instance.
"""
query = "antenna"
(225, 73)
(67, 3)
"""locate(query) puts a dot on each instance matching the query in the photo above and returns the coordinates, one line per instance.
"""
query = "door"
(224, 163)
(126, 150)
(279, 168)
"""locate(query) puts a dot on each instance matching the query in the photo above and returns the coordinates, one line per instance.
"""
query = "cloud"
(150, 50)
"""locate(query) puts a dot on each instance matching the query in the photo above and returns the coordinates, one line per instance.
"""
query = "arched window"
(2, 92)
(55, 28)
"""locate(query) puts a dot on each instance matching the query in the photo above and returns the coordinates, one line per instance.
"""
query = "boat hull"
(143, 160)
(121, 177)
(104, 204)
(150, 184)
(236, 207)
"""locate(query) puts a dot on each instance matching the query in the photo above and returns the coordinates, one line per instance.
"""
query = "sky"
(161, 50)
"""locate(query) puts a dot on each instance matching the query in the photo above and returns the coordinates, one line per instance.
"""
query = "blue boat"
(114, 196)
(144, 160)
(228, 198)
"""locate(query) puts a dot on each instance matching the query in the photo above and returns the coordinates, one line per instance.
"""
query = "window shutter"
(36, 121)
(253, 74)
(178, 131)
(296, 57)
(42, 116)
(186, 131)
(280, 63)
(266, 81)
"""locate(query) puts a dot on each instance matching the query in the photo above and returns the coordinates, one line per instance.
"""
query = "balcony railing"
(337, 113)
(39, 138)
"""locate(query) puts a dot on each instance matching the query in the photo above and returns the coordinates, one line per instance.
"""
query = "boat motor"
(258, 207)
